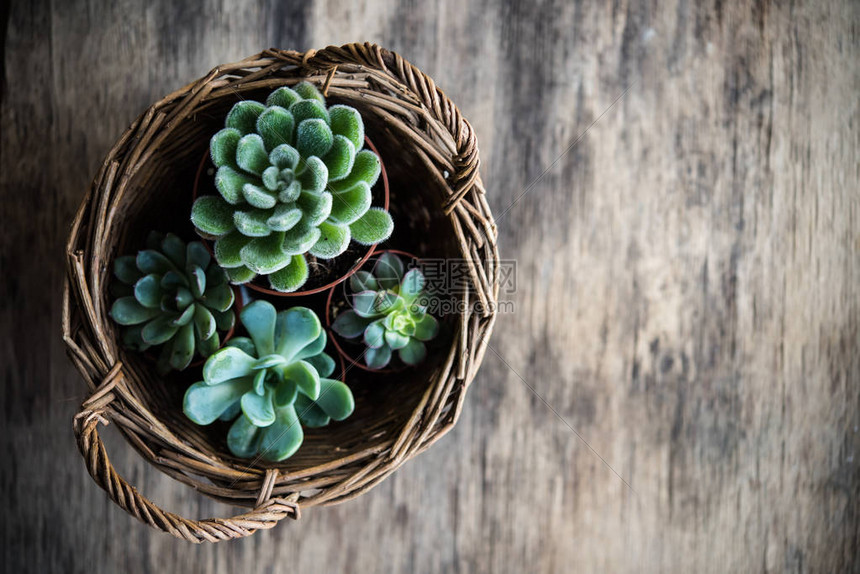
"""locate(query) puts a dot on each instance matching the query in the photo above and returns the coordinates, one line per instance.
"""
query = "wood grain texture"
(687, 296)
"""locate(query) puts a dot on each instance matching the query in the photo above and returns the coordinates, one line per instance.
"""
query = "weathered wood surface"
(687, 294)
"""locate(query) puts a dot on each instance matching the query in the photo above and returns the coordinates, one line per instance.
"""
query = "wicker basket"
(438, 202)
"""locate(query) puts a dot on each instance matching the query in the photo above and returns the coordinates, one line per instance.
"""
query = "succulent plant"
(271, 383)
(293, 179)
(389, 313)
(172, 294)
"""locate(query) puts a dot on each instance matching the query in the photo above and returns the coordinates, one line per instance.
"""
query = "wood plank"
(687, 286)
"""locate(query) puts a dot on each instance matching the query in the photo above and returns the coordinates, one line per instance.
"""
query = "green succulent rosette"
(388, 314)
(270, 384)
(173, 296)
(293, 179)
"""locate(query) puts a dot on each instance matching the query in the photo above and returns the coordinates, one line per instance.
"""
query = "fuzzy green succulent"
(271, 383)
(389, 313)
(172, 294)
(293, 179)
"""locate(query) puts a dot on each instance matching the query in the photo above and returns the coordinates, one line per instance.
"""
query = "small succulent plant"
(172, 294)
(293, 179)
(388, 313)
(271, 383)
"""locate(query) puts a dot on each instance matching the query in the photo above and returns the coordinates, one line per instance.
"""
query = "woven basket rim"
(408, 103)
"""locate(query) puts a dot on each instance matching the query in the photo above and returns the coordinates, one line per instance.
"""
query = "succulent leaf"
(412, 285)
(243, 116)
(159, 330)
(378, 358)
(229, 183)
(395, 340)
(313, 175)
(243, 437)
(229, 363)
(427, 328)
(259, 320)
(285, 393)
(151, 261)
(309, 92)
(348, 206)
(282, 438)
(204, 403)
(205, 347)
(129, 311)
(222, 146)
(374, 335)
(310, 414)
(228, 249)
(283, 97)
(264, 255)
(275, 126)
(174, 249)
(364, 304)
(148, 291)
(306, 378)
(363, 281)
(185, 317)
(313, 348)
(251, 154)
(252, 223)
(258, 197)
(183, 347)
(295, 329)
(349, 324)
(413, 353)
(299, 239)
(197, 281)
(224, 320)
(204, 322)
(313, 137)
(388, 270)
(366, 168)
(125, 269)
(333, 240)
(323, 363)
(309, 110)
(284, 218)
(259, 409)
(373, 227)
(284, 156)
(335, 399)
(346, 122)
(240, 275)
(339, 158)
(292, 276)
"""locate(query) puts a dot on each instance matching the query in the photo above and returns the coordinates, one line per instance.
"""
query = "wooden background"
(688, 295)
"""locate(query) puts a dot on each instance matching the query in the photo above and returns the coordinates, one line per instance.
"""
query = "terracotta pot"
(259, 288)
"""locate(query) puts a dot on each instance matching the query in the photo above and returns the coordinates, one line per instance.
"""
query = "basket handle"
(267, 513)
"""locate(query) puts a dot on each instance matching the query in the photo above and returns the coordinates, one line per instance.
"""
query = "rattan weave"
(431, 154)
